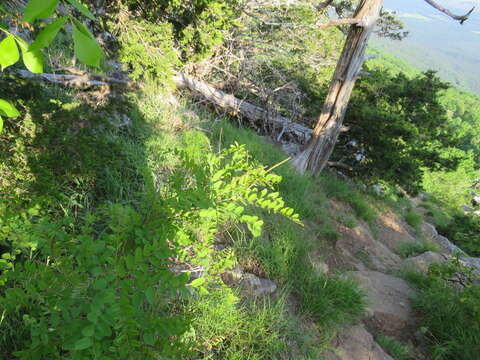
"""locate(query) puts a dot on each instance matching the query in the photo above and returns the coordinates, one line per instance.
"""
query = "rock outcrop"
(249, 283)
(359, 248)
(423, 261)
(388, 303)
(356, 343)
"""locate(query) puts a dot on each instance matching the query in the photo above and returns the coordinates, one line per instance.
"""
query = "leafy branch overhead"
(86, 47)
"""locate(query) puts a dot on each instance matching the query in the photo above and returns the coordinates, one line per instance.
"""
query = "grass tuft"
(340, 190)
(393, 347)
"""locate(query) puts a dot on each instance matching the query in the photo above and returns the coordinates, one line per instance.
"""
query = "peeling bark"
(317, 152)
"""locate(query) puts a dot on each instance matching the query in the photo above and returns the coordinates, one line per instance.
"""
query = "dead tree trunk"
(318, 150)
(256, 116)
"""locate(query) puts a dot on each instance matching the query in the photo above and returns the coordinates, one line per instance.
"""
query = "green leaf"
(33, 60)
(100, 284)
(150, 295)
(1, 124)
(83, 344)
(148, 339)
(82, 8)
(85, 46)
(46, 36)
(38, 9)
(198, 282)
(9, 54)
(88, 330)
(7, 109)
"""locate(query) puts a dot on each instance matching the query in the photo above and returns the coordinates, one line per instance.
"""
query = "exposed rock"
(466, 208)
(249, 283)
(356, 343)
(447, 246)
(422, 262)
(360, 249)
(377, 190)
(256, 286)
(320, 267)
(471, 262)
(475, 199)
(429, 230)
(393, 231)
(388, 305)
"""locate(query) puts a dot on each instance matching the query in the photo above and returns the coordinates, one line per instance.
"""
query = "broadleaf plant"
(86, 47)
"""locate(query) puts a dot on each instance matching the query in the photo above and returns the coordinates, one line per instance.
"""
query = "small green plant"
(393, 347)
(413, 219)
(225, 327)
(448, 302)
(330, 300)
(408, 248)
(348, 220)
(440, 216)
(340, 190)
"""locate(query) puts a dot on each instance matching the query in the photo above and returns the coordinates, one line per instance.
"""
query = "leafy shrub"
(103, 286)
(464, 231)
(448, 302)
(147, 49)
(197, 24)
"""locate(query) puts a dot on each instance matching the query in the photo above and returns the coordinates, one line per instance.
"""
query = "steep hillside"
(436, 42)
(143, 220)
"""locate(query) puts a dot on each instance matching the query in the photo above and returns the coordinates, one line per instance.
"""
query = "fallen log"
(79, 80)
(282, 128)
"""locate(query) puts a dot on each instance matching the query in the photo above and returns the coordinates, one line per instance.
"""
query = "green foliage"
(448, 303)
(408, 249)
(86, 47)
(395, 348)
(94, 295)
(223, 327)
(197, 25)
(413, 219)
(439, 213)
(464, 231)
(340, 190)
(284, 250)
(330, 301)
(398, 127)
(147, 49)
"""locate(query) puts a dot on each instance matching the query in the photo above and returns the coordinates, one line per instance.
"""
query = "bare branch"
(323, 5)
(349, 21)
(461, 18)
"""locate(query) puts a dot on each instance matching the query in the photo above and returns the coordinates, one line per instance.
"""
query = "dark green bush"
(197, 24)
(147, 49)
(464, 231)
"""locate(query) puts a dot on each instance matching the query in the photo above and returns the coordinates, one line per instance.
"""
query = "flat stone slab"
(356, 343)
(388, 303)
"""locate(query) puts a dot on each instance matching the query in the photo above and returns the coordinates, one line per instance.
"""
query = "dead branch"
(461, 18)
(349, 21)
(80, 81)
(256, 115)
(323, 5)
